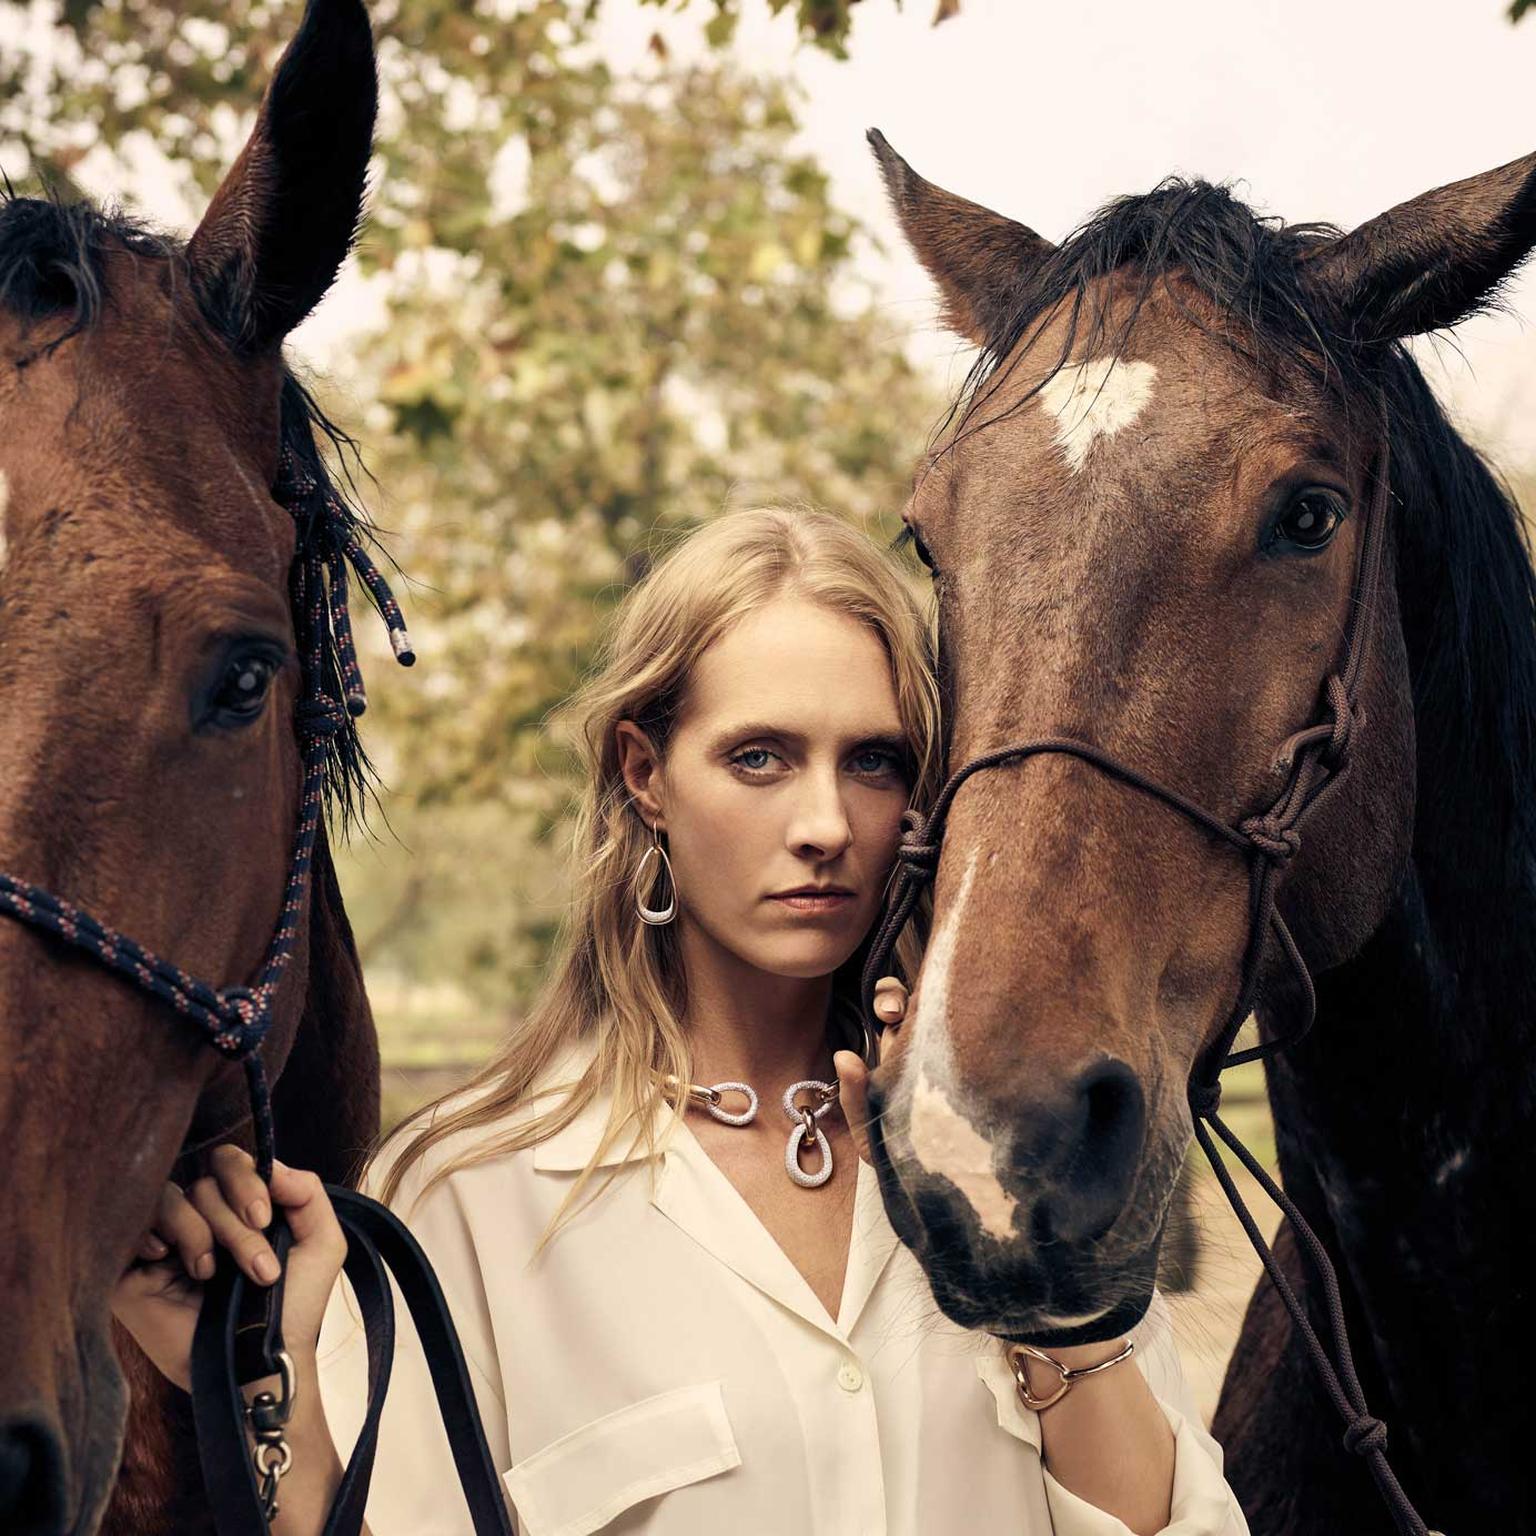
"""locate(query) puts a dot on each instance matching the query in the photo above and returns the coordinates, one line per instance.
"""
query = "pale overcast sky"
(1316, 109)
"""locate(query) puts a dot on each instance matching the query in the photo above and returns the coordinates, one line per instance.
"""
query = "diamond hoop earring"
(656, 917)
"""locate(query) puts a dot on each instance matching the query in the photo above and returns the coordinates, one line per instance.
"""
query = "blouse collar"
(693, 1193)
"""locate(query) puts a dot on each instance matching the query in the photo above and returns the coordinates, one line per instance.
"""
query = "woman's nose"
(821, 819)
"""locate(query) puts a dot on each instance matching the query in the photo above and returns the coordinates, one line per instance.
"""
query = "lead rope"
(1319, 758)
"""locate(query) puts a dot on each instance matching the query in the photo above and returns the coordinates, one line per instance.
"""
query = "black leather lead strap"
(378, 1244)
(376, 1302)
(228, 1352)
(381, 1232)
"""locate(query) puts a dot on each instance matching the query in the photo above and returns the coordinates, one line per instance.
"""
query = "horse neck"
(1405, 1117)
(325, 1103)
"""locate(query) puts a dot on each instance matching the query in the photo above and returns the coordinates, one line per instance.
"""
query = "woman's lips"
(813, 904)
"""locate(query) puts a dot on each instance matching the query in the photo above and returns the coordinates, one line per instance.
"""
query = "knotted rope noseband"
(1317, 760)
(235, 1019)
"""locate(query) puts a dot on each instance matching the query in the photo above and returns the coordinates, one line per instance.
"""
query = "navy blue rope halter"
(235, 1019)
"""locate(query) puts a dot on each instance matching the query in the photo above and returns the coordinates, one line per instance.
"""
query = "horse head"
(1146, 522)
(149, 673)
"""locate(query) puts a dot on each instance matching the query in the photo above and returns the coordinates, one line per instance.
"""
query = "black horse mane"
(1464, 559)
(51, 251)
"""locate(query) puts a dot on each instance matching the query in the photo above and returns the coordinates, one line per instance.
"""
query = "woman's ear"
(641, 768)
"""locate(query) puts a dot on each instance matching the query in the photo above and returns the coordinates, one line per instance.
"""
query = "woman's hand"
(853, 1075)
(160, 1295)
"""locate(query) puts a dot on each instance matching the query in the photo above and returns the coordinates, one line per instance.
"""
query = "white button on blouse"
(665, 1370)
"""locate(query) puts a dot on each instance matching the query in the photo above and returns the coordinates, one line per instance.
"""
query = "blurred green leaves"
(824, 23)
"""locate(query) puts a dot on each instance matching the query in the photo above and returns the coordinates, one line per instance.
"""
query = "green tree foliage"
(613, 306)
(823, 22)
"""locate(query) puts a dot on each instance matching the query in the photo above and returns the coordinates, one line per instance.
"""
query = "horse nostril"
(1089, 1177)
(31, 1479)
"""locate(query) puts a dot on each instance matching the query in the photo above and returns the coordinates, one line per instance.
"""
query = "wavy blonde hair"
(614, 980)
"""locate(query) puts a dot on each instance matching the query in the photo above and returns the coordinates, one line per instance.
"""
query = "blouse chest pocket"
(578, 1483)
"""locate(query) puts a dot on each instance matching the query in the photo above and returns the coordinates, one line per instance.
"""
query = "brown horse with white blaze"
(148, 767)
(1144, 521)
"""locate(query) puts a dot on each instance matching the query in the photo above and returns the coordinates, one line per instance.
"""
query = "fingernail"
(203, 1269)
(887, 1007)
(266, 1267)
(258, 1213)
(156, 1246)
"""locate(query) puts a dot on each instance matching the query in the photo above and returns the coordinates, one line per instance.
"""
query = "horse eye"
(912, 536)
(242, 691)
(1310, 521)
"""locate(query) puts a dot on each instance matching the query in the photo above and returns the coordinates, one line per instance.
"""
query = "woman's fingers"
(152, 1248)
(853, 1074)
(852, 1084)
(890, 1000)
(182, 1227)
(310, 1214)
(242, 1186)
(891, 1007)
(251, 1250)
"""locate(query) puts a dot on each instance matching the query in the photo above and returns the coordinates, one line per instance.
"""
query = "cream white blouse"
(665, 1370)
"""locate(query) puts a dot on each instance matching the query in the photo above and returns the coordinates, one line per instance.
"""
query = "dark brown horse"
(1157, 557)
(144, 570)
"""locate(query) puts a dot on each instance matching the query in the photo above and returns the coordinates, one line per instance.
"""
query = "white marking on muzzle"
(1070, 1319)
(1095, 399)
(944, 1140)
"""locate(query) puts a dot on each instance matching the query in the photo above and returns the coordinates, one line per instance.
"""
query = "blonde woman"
(683, 1307)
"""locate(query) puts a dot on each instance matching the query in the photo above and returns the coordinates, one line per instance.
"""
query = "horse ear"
(977, 257)
(1434, 260)
(284, 218)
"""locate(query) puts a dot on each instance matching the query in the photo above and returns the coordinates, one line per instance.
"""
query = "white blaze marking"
(1095, 399)
(930, 1019)
(944, 1141)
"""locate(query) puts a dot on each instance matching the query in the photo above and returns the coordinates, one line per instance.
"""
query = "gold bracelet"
(1016, 1353)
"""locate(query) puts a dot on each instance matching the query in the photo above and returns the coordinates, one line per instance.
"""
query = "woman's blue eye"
(886, 761)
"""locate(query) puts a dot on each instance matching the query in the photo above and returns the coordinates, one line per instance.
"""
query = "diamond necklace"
(805, 1118)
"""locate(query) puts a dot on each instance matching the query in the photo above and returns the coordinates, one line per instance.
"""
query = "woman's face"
(786, 768)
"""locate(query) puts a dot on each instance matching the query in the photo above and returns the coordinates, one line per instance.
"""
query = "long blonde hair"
(614, 981)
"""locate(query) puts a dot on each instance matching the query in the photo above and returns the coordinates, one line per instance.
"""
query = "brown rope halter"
(1319, 759)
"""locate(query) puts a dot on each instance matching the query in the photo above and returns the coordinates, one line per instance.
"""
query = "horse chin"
(1056, 1295)
(1012, 1297)
(95, 1452)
